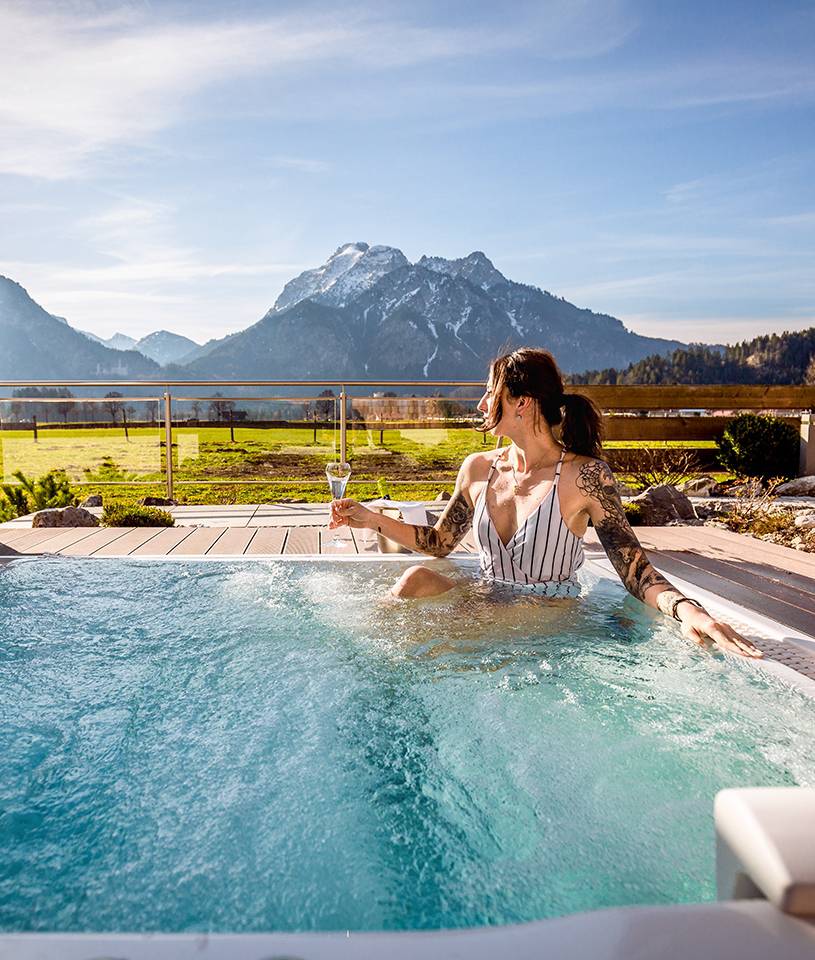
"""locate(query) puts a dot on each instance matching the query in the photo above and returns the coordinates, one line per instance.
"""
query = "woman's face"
(488, 402)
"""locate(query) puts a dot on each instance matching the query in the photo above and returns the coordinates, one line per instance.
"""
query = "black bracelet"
(679, 600)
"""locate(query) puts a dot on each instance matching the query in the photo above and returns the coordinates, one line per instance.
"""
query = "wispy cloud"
(76, 82)
(303, 164)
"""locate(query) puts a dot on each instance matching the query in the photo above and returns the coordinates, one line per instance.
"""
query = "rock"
(157, 502)
(65, 517)
(625, 490)
(660, 505)
(806, 521)
(799, 487)
(701, 487)
(94, 500)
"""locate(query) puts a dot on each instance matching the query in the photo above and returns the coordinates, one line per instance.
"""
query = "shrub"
(52, 489)
(123, 516)
(759, 445)
(658, 466)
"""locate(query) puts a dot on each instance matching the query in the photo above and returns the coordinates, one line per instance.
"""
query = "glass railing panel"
(107, 440)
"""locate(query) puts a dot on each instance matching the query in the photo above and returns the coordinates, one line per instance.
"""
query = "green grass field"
(258, 466)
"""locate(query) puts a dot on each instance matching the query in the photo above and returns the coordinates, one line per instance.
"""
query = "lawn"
(257, 466)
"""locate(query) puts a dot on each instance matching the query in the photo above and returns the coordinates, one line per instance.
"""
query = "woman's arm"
(437, 541)
(596, 482)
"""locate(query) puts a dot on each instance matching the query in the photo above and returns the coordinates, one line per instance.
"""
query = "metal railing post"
(343, 437)
(168, 441)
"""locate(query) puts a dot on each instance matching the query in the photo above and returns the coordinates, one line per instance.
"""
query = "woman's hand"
(348, 512)
(697, 624)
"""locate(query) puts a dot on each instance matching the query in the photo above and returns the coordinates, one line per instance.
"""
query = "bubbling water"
(272, 745)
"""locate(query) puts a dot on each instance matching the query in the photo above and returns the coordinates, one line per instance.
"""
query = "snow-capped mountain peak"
(351, 270)
(476, 268)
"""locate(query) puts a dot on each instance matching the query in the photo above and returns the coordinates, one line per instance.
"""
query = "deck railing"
(153, 419)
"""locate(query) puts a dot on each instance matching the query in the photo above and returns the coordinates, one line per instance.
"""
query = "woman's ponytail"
(582, 429)
(532, 372)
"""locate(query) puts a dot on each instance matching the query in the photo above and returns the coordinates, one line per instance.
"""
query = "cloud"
(79, 78)
(303, 164)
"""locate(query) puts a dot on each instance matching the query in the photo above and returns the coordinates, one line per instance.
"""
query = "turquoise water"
(270, 746)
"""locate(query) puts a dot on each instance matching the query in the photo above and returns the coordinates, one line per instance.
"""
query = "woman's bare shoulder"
(476, 466)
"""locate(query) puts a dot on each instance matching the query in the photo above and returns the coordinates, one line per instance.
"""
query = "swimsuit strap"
(557, 468)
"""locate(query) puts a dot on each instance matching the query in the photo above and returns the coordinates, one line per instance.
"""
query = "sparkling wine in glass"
(337, 475)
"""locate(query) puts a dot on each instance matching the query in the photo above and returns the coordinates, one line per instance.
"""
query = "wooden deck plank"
(302, 540)
(675, 563)
(798, 591)
(267, 540)
(10, 534)
(763, 551)
(198, 542)
(134, 538)
(346, 546)
(163, 542)
(66, 539)
(761, 587)
(88, 546)
(233, 543)
(34, 538)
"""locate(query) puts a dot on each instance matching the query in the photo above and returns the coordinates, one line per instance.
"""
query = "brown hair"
(531, 372)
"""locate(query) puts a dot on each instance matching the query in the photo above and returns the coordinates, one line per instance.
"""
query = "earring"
(519, 416)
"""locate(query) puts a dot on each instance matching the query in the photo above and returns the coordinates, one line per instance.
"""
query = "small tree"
(112, 406)
(52, 489)
(219, 409)
(325, 408)
(64, 408)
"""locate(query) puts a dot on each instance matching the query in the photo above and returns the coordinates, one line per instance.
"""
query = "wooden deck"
(767, 579)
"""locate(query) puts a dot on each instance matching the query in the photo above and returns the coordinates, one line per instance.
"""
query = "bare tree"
(112, 406)
(655, 466)
(220, 409)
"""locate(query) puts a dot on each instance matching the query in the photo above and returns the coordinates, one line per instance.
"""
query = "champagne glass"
(337, 475)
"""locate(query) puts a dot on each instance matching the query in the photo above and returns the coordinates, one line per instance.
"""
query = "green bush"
(759, 445)
(122, 516)
(52, 489)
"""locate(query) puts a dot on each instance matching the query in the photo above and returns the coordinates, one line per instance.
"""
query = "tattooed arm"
(596, 482)
(437, 540)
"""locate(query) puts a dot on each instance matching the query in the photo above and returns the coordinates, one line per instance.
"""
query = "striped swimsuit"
(542, 553)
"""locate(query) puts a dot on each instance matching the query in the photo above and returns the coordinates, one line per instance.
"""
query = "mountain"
(119, 341)
(161, 345)
(368, 312)
(778, 358)
(36, 344)
(165, 347)
(205, 349)
(348, 272)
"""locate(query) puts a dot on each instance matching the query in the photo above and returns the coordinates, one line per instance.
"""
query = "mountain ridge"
(369, 312)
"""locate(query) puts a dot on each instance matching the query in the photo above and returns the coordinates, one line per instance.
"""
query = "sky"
(170, 166)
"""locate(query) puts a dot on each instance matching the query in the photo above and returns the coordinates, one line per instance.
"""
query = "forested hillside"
(773, 358)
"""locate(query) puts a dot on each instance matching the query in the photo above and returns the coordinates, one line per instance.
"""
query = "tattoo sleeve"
(450, 529)
(596, 481)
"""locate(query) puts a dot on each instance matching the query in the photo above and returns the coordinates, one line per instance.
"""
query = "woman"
(529, 505)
